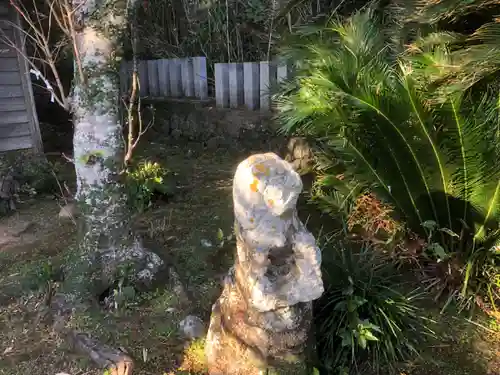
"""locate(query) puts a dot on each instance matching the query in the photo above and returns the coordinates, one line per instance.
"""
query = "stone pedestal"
(262, 319)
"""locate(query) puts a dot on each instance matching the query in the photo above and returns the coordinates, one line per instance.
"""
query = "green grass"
(200, 206)
(464, 349)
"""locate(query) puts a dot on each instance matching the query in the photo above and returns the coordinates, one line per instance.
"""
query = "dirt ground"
(147, 327)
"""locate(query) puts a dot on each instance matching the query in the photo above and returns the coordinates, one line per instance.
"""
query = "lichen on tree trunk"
(105, 238)
(98, 137)
(97, 142)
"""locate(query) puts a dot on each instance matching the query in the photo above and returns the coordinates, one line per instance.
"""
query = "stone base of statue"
(245, 341)
(263, 317)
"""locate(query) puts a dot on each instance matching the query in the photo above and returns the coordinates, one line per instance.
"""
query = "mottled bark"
(105, 240)
(97, 142)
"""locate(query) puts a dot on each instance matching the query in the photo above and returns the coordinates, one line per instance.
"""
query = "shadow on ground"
(464, 349)
(183, 230)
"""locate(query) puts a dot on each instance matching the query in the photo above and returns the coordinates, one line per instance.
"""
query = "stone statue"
(262, 319)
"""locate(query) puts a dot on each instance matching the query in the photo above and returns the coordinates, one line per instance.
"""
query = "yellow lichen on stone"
(254, 185)
(260, 169)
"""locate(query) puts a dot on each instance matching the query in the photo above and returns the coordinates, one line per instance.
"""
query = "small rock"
(192, 327)
(68, 211)
(8, 350)
(299, 154)
(20, 228)
(206, 243)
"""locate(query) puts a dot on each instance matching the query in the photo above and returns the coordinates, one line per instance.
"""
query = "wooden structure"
(19, 127)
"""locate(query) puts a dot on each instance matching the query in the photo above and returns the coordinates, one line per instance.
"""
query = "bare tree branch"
(58, 97)
(39, 28)
(134, 105)
(40, 23)
(72, 35)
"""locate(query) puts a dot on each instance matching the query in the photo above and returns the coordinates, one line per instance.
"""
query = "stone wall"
(239, 128)
(216, 127)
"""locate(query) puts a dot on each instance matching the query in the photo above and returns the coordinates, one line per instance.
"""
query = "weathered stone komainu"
(263, 317)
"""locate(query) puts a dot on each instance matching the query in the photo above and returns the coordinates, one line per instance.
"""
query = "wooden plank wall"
(18, 121)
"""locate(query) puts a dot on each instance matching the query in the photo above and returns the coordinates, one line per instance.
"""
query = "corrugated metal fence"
(235, 84)
(169, 78)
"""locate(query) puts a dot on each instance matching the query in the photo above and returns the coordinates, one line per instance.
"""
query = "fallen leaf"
(8, 350)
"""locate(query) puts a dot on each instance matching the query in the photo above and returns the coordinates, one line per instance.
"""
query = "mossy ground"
(464, 348)
(147, 326)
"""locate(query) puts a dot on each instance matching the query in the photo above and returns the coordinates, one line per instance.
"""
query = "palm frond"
(489, 34)
(432, 11)
(473, 60)
(483, 161)
(387, 120)
(350, 86)
(405, 127)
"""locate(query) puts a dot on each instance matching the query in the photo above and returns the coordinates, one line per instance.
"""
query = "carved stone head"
(265, 182)
(275, 251)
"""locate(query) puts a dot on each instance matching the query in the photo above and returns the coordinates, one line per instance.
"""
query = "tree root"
(144, 265)
(115, 361)
(62, 305)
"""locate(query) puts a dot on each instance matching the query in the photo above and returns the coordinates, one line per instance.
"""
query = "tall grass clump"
(225, 30)
(367, 319)
(374, 112)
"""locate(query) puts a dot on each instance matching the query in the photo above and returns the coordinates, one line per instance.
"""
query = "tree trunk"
(97, 142)
(105, 239)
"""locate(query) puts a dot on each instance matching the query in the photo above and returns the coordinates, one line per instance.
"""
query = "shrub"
(370, 108)
(144, 181)
(25, 175)
(471, 32)
(364, 320)
(35, 174)
(40, 176)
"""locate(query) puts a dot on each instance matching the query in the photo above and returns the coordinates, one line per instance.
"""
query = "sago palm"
(371, 109)
(473, 54)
